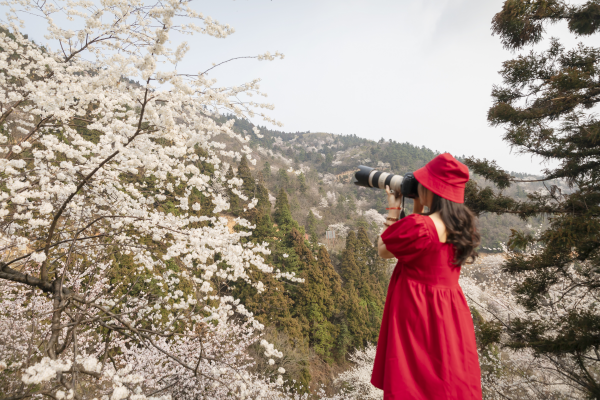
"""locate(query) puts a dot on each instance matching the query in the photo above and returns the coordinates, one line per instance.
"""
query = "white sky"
(415, 71)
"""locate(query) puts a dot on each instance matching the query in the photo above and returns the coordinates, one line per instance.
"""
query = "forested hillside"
(303, 185)
(335, 310)
(316, 170)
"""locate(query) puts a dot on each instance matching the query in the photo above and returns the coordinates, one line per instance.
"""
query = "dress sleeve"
(406, 238)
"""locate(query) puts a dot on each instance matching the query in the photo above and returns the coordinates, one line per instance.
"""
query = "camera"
(370, 177)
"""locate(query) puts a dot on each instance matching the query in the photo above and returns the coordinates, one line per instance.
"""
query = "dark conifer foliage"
(283, 216)
(244, 173)
(312, 226)
(325, 313)
(283, 180)
(302, 186)
(547, 105)
(365, 282)
(235, 204)
(266, 172)
(262, 194)
(350, 269)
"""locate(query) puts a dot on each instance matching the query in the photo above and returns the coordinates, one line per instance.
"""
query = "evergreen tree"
(292, 244)
(332, 279)
(350, 269)
(333, 283)
(235, 203)
(262, 194)
(244, 173)
(265, 230)
(283, 216)
(273, 307)
(302, 186)
(355, 315)
(283, 180)
(375, 280)
(266, 171)
(365, 296)
(312, 224)
(316, 301)
(372, 266)
(546, 104)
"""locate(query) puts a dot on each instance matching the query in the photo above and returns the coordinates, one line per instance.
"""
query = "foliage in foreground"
(547, 104)
(116, 266)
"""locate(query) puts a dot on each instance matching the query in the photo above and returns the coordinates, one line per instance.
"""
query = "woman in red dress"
(426, 348)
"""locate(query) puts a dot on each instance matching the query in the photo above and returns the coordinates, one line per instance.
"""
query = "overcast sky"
(414, 71)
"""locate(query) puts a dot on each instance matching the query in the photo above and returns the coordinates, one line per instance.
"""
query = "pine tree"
(365, 280)
(316, 302)
(275, 306)
(310, 295)
(266, 171)
(283, 180)
(283, 216)
(265, 230)
(546, 104)
(350, 270)
(312, 224)
(292, 244)
(302, 186)
(358, 316)
(262, 194)
(235, 203)
(355, 315)
(244, 173)
(332, 279)
(375, 280)
(333, 283)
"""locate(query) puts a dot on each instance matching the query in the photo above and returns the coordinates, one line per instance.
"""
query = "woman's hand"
(393, 214)
(393, 202)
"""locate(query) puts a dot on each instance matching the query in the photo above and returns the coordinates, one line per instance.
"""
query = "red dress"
(426, 348)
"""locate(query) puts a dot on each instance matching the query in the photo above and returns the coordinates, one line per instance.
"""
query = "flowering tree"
(340, 229)
(510, 371)
(358, 378)
(373, 217)
(115, 262)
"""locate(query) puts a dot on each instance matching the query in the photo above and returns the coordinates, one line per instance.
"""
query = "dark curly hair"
(461, 228)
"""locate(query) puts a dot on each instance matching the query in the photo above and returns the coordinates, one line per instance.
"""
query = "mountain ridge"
(327, 162)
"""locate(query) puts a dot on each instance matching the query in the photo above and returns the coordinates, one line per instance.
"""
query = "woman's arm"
(394, 202)
(382, 250)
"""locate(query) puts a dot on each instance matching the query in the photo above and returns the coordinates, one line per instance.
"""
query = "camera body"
(410, 186)
(370, 177)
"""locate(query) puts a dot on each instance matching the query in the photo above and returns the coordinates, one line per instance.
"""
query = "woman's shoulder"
(413, 225)
(415, 219)
(407, 237)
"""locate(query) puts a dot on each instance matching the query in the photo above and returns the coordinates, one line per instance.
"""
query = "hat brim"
(439, 187)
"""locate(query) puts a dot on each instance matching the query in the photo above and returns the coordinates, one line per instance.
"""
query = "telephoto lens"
(370, 177)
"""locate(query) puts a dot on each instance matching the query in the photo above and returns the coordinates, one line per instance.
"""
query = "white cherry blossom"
(115, 261)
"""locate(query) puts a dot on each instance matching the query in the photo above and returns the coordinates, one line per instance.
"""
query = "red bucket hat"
(445, 176)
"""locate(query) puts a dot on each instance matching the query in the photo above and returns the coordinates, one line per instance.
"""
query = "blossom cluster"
(115, 264)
